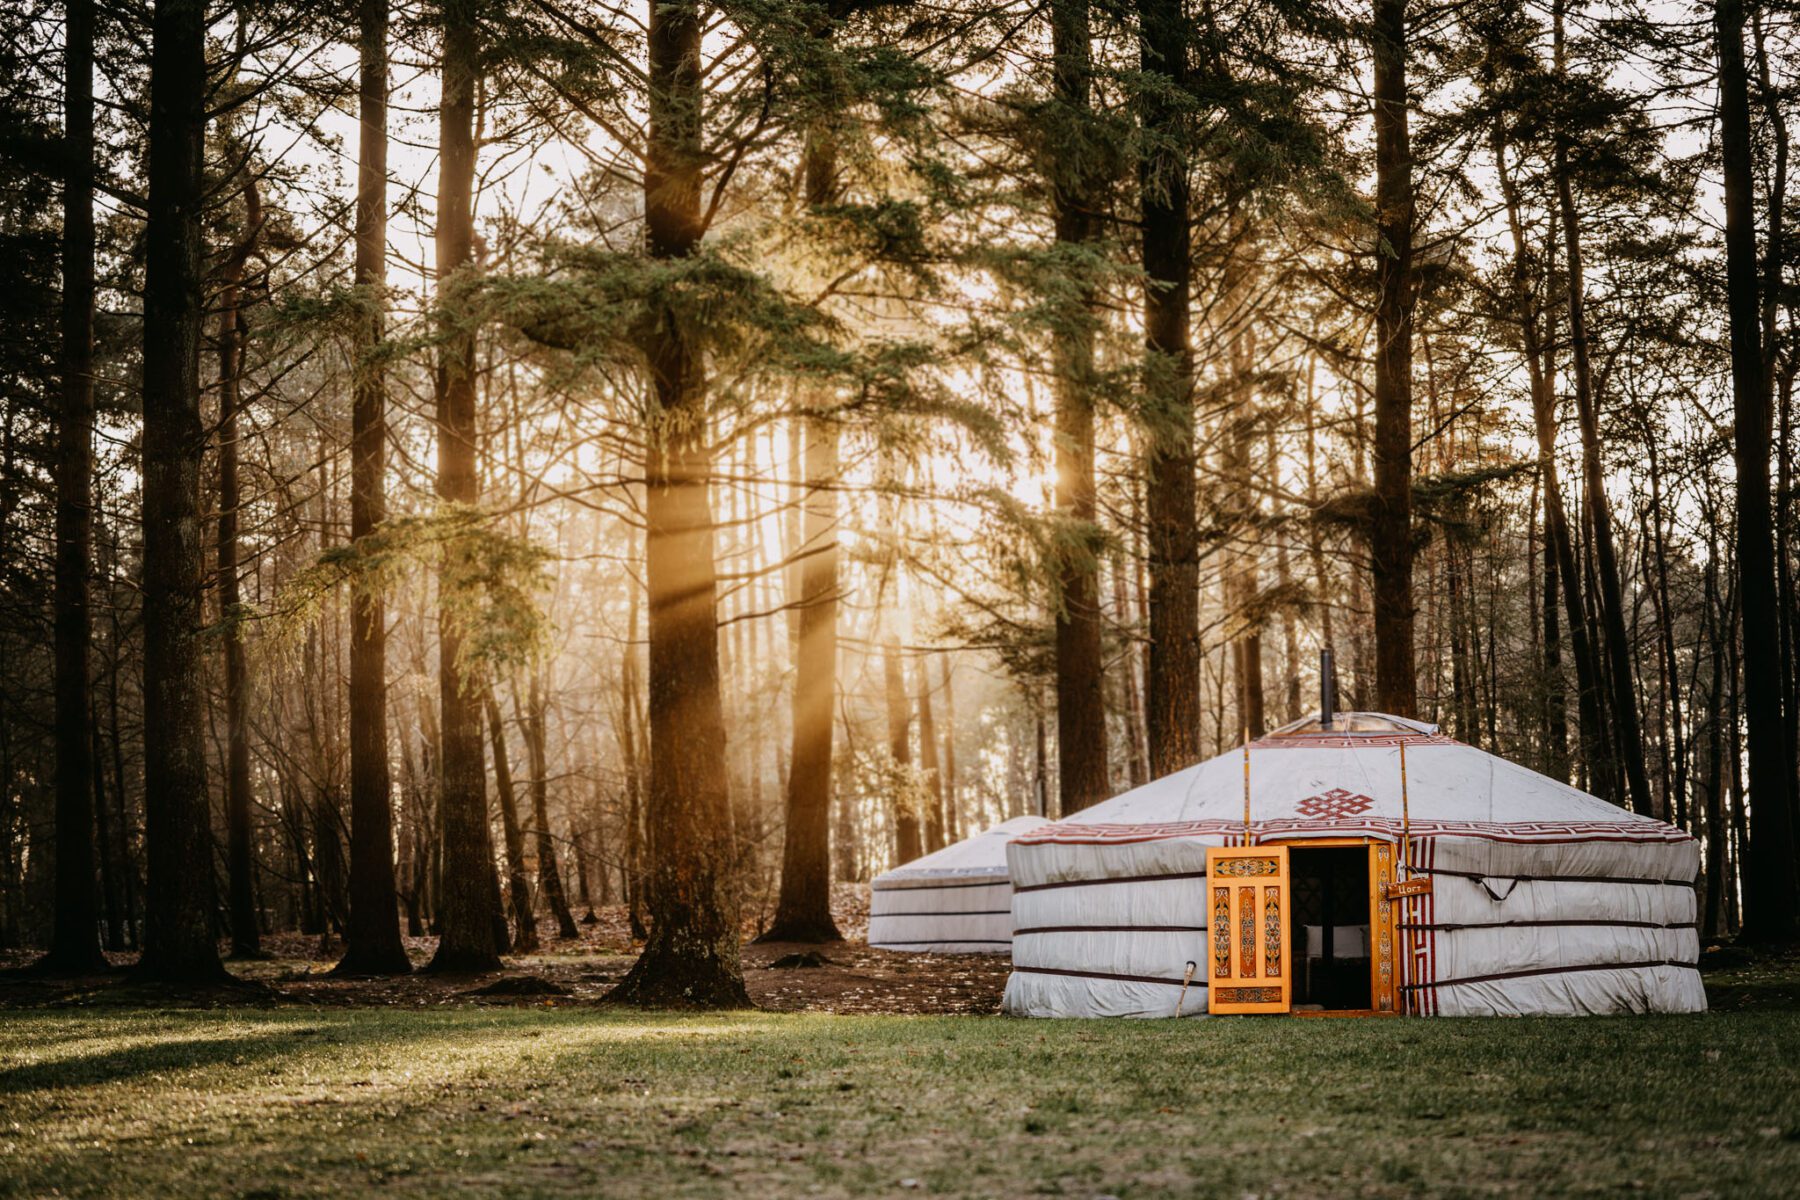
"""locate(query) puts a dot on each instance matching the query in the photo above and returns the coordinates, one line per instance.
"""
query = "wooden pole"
(1246, 785)
(1405, 819)
(1407, 906)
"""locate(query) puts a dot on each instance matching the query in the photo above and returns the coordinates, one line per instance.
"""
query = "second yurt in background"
(957, 900)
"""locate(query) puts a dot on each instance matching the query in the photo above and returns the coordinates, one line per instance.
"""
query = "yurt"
(1361, 864)
(957, 900)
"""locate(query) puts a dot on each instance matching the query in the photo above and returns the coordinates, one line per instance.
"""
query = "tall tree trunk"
(952, 810)
(1771, 883)
(692, 955)
(75, 939)
(631, 761)
(1628, 736)
(936, 827)
(111, 863)
(1779, 371)
(1558, 544)
(180, 905)
(518, 887)
(550, 885)
(240, 850)
(1714, 922)
(1173, 686)
(803, 907)
(373, 940)
(466, 941)
(1390, 531)
(909, 838)
(1241, 584)
(1676, 797)
(1082, 773)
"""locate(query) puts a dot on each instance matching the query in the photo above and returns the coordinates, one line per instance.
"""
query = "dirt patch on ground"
(853, 978)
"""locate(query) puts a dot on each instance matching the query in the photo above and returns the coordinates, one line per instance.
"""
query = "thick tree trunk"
(1173, 700)
(550, 885)
(518, 887)
(466, 922)
(692, 955)
(1082, 774)
(180, 907)
(1771, 885)
(373, 941)
(240, 849)
(1390, 531)
(74, 939)
(803, 907)
(1780, 371)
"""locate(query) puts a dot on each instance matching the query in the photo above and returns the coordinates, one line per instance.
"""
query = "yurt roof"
(983, 854)
(1309, 781)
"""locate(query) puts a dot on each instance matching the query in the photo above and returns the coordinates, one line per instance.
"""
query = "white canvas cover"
(957, 900)
(1545, 899)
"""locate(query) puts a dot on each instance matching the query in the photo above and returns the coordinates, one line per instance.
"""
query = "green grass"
(559, 1101)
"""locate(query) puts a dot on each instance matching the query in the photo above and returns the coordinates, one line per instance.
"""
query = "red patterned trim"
(1521, 832)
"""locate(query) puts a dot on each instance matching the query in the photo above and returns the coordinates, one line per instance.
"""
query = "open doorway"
(1331, 931)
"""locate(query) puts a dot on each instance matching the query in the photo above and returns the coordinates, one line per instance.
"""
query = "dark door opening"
(1330, 926)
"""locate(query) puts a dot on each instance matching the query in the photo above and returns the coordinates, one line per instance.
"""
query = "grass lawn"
(552, 1101)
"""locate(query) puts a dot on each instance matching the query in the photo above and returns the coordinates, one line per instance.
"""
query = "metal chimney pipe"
(1327, 690)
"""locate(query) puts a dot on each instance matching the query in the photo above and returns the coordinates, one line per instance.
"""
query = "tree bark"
(240, 849)
(179, 912)
(550, 884)
(1173, 686)
(633, 866)
(1559, 545)
(518, 887)
(466, 941)
(1082, 775)
(936, 828)
(373, 938)
(1771, 885)
(909, 839)
(692, 956)
(74, 939)
(1618, 666)
(803, 907)
(111, 864)
(1390, 532)
(952, 810)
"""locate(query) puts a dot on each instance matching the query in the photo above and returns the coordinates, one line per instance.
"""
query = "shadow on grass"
(178, 1053)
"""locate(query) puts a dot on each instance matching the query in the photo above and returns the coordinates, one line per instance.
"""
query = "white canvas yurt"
(1479, 887)
(957, 900)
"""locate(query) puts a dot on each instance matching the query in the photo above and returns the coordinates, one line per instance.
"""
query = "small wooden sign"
(1419, 886)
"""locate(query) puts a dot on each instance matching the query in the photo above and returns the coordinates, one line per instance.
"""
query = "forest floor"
(415, 1088)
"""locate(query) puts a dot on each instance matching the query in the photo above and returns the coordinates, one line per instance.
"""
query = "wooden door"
(1249, 968)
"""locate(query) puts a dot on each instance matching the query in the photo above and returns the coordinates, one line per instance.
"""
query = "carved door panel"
(1248, 966)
